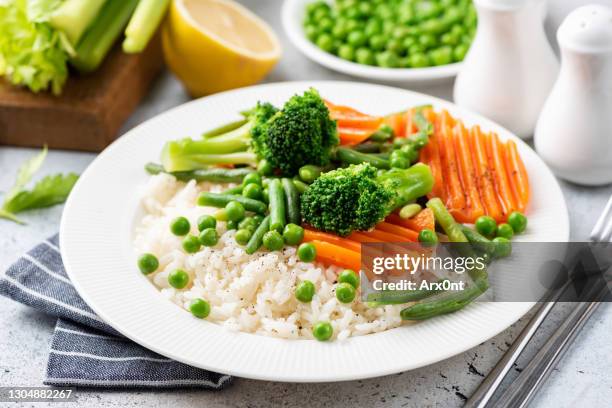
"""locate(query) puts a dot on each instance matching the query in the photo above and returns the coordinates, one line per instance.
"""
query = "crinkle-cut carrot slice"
(484, 177)
(467, 172)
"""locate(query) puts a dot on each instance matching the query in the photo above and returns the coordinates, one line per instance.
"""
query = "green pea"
(339, 31)
(404, 62)
(304, 292)
(252, 178)
(460, 51)
(209, 237)
(257, 219)
(273, 240)
(191, 244)
(349, 276)
(178, 279)
(387, 59)
(307, 252)
(199, 308)
(505, 231)
(293, 234)
(503, 247)
(235, 211)
(221, 215)
(206, 221)
(428, 237)
(346, 52)
(372, 28)
(416, 48)
(322, 331)
(409, 42)
(345, 292)
(458, 30)
(399, 160)
(518, 222)
(433, 26)
(449, 39)
(325, 42)
(365, 56)
(309, 173)
(231, 225)
(148, 263)
(180, 226)
(352, 25)
(486, 225)
(427, 41)
(326, 24)
(253, 191)
(411, 152)
(396, 46)
(441, 56)
(419, 60)
(311, 32)
(243, 236)
(377, 42)
(356, 38)
(365, 9)
(264, 167)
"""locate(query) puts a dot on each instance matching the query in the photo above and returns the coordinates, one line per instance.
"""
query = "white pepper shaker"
(510, 68)
(574, 133)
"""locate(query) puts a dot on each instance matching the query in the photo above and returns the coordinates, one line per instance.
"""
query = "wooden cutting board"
(90, 110)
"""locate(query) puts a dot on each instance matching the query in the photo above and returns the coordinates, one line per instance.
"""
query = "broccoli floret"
(358, 197)
(301, 133)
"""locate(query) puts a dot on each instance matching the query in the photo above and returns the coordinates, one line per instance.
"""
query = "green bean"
(446, 221)
(220, 201)
(368, 147)
(224, 129)
(350, 156)
(300, 185)
(446, 303)
(478, 241)
(398, 297)
(277, 206)
(292, 199)
(213, 174)
(234, 190)
(256, 240)
(384, 133)
(409, 211)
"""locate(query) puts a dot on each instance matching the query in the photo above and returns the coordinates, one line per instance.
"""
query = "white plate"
(292, 16)
(97, 226)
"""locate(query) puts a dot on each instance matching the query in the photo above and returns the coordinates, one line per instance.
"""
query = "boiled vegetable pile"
(327, 178)
(40, 39)
(393, 33)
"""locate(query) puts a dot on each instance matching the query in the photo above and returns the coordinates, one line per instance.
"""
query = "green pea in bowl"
(384, 40)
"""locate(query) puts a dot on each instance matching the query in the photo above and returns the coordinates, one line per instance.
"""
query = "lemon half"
(215, 45)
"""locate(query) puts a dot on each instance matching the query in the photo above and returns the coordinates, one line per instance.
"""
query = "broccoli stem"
(215, 175)
(408, 184)
(143, 24)
(73, 17)
(350, 156)
(100, 37)
(224, 129)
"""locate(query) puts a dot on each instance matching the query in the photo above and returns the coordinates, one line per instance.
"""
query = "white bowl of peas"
(385, 40)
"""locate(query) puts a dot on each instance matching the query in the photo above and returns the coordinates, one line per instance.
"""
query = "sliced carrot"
(311, 235)
(376, 236)
(351, 137)
(484, 182)
(519, 180)
(357, 121)
(423, 220)
(399, 230)
(397, 122)
(466, 171)
(456, 200)
(360, 236)
(435, 164)
(331, 254)
(502, 183)
(446, 120)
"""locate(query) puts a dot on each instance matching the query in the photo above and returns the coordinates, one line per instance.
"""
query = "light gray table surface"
(581, 379)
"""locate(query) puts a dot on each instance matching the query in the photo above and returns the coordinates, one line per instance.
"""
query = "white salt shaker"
(510, 68)
(574, 133)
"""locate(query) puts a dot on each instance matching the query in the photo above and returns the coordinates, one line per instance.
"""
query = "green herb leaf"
(49, 191)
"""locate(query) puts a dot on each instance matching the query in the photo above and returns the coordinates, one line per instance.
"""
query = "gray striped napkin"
(85, 351)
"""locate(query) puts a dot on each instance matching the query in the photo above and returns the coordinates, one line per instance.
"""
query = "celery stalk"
(103, 33)
(143, 24)
(73, 17)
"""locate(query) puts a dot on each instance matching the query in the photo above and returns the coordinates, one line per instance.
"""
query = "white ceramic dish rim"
(292, 14)
(136, 309)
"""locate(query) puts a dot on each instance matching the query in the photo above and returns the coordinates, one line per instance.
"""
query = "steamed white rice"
(250, 293)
